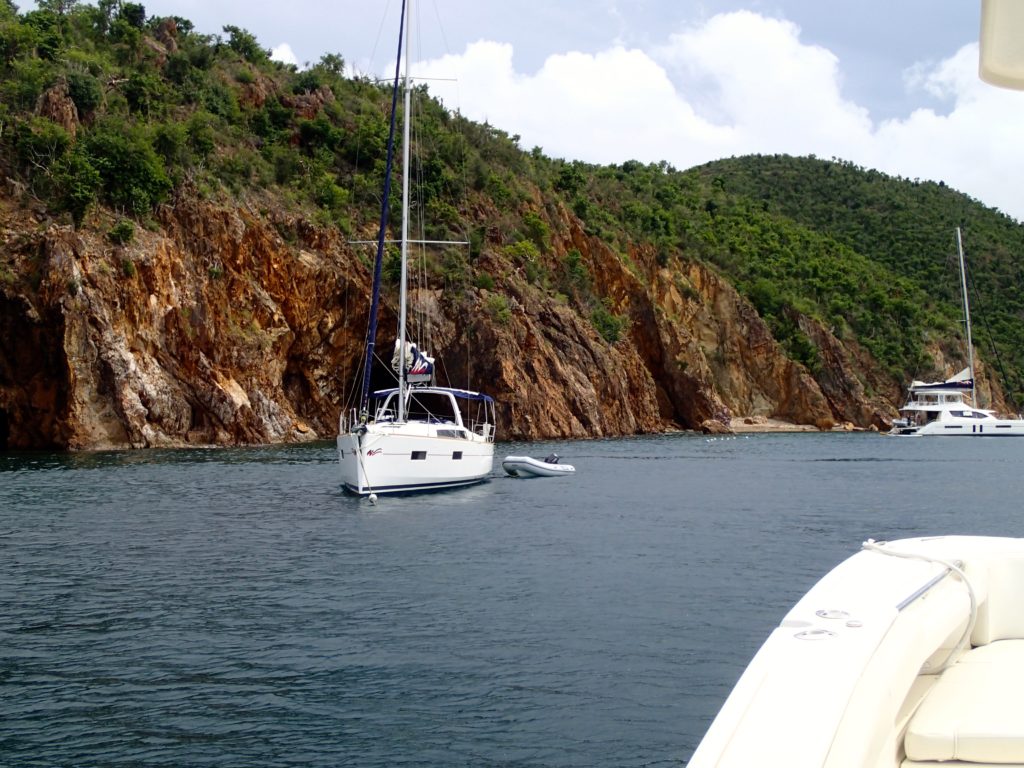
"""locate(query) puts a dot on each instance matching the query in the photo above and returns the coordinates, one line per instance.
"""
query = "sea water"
(234, 607)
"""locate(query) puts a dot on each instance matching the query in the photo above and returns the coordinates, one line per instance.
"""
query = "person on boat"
(551, 459)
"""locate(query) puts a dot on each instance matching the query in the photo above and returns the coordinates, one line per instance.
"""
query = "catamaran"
(415, 436)
(943, 408)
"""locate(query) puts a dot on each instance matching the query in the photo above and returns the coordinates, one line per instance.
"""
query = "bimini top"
(462, 394)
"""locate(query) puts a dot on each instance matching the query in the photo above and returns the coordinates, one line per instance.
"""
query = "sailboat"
(943, 407)
(415, 436)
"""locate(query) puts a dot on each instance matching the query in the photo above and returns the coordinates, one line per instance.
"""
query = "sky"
(886, 84)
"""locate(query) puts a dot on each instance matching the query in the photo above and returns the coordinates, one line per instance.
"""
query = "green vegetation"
(870, 256)
(156, 105)
(160, 111)
(122, 232)
(497, 307)
(607, 323)
(878, 256)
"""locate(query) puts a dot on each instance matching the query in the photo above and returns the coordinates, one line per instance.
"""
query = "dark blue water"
(234, 608)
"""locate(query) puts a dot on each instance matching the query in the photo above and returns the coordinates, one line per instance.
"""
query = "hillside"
(180, 214)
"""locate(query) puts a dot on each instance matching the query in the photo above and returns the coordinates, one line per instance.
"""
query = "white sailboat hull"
(888, 661)
(397, 458)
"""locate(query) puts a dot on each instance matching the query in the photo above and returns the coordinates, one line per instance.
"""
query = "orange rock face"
(223, 327)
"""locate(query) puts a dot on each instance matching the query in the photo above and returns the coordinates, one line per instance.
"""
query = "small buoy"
(373, 498)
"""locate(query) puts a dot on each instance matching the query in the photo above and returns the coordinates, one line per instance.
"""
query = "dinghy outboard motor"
(552, 459)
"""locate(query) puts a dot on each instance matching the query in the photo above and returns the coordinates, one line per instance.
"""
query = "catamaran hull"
(964, 428)
(400, 463)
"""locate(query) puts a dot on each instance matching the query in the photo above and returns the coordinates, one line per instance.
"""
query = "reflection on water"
(15, 461)
(235, 607)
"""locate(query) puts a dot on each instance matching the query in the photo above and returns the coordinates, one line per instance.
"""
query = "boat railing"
(948, 567)
(483, 428)
(927, 586)
(347, 420)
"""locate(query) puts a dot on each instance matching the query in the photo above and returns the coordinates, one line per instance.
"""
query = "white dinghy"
(909, 654)
(526, 466)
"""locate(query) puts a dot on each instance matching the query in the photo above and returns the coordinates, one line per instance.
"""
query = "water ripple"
(235, 608)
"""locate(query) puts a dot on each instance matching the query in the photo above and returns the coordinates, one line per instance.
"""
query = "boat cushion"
(975, 712)
(999, 614)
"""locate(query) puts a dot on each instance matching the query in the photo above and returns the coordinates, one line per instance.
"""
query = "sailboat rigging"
(967, 312)
(414, 436)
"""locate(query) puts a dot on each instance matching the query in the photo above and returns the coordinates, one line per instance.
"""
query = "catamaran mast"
(967, 312)
(405, 225)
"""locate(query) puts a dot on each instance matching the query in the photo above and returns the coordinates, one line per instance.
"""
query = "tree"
(133, 175)
(16, 39)
(76, 182)
(58, 7)
(134, 14)
(86, 91)
(333, 63)
(245, 44)
(39, 143)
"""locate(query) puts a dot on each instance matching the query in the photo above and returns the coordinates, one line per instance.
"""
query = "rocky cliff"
(593, 301)
(220, 325)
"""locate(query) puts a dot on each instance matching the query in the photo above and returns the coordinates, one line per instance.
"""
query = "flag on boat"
(418, 366)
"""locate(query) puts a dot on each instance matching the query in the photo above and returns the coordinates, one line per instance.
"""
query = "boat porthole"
(815, 634)
(832, 613)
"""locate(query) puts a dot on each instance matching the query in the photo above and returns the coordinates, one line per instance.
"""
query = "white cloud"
(605, 108)
(741, 83)
(284, 54)
(975, 148)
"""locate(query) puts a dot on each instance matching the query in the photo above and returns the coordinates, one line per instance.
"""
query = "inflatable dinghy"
(526, 466)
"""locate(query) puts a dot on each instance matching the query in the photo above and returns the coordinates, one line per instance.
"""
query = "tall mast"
(371, 331)
(967, 312)
(407, 102)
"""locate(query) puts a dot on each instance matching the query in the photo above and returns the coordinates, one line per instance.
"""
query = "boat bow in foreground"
(909, 653)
